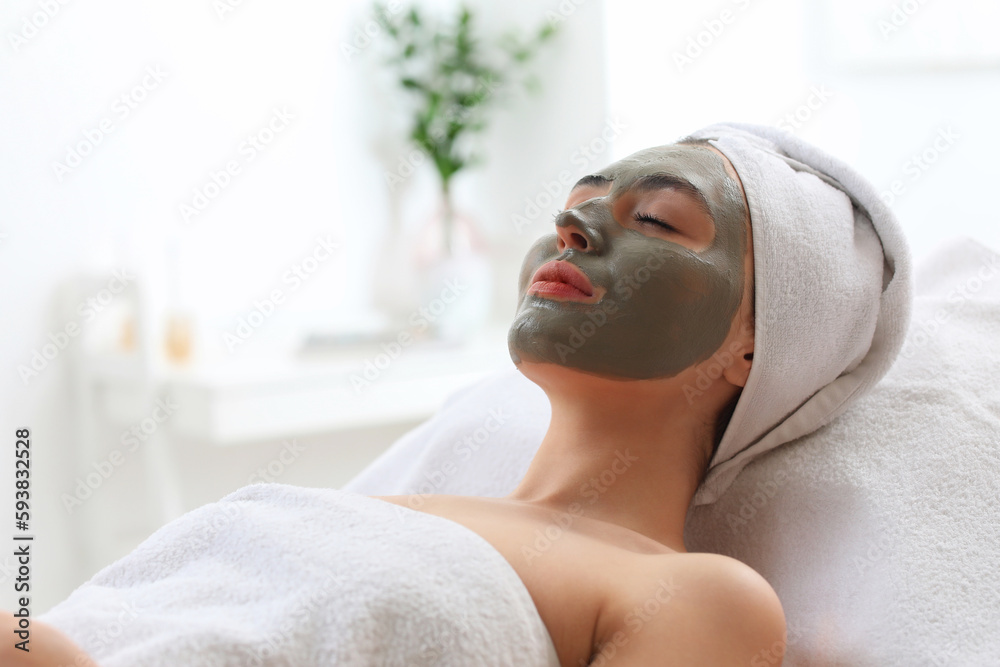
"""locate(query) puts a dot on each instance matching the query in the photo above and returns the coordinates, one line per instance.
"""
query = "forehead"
(702, 167)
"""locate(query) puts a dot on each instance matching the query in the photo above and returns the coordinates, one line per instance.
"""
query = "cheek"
(682, 295)
(719, 291)
(700, 284)
(664, 272)
(677, 287)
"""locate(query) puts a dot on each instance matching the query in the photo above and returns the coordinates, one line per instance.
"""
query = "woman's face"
(661, 236)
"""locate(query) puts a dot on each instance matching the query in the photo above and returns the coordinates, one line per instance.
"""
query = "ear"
(737, 372)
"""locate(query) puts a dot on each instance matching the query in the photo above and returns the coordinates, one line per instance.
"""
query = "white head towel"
(833, 292)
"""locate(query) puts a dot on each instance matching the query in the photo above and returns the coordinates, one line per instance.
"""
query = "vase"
(395, 293)
(455, 275)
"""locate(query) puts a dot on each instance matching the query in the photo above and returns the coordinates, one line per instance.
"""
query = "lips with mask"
(655, 306)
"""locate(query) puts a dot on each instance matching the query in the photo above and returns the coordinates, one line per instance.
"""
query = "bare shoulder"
(739, 609)
(709, 609)
(45, 647)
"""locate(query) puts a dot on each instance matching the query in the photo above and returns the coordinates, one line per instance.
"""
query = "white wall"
(872, 82)
(222, 78)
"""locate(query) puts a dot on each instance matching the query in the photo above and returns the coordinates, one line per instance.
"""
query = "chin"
(546, 374)
(550, 375)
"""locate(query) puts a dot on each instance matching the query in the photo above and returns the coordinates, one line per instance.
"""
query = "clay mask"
(663, 299)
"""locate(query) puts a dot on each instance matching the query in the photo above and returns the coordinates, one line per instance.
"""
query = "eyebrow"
(593, 179)
(659, 181)
(669, 181)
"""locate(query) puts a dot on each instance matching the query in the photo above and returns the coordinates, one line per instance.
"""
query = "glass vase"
(455, 275)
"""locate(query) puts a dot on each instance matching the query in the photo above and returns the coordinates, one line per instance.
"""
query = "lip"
(563, 281)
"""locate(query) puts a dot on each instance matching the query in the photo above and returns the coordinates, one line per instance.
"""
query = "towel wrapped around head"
(832, 295)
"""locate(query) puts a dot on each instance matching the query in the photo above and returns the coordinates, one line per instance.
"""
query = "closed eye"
(653, 220)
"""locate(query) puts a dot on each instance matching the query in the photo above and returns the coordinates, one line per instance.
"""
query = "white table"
(242, 400)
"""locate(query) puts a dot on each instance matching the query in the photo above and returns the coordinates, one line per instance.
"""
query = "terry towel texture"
(833, 292)
(281, 575)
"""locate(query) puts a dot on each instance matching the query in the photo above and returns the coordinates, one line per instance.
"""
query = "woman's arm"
(47, 647)
(721, 613)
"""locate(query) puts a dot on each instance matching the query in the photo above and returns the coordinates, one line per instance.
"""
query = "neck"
(615, 455)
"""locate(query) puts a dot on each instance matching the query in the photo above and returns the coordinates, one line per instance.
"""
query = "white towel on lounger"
(281, 575)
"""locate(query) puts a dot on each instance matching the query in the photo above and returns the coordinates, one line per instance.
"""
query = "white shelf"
(231, 403)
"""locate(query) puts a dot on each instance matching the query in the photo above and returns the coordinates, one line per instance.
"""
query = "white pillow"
(879, 532)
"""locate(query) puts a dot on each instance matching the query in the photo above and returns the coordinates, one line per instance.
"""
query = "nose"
(576, 233)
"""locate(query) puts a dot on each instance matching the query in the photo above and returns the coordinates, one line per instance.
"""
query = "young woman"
(655, 251)
(640, 320)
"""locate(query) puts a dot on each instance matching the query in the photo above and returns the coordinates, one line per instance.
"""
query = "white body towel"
(281, 575)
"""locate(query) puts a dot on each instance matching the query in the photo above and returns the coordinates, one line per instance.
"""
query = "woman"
(657, 242)
(739, 289)
(637, 318)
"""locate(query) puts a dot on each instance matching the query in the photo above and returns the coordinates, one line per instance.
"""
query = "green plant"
(454, 77)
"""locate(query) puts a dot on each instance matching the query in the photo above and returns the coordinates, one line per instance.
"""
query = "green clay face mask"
(660, 298)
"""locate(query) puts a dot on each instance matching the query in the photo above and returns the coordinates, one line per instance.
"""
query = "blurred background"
(228, 254)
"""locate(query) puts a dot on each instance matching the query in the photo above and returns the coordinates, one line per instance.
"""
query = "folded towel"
(878, 531)
(832, 296)
(280, 575)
